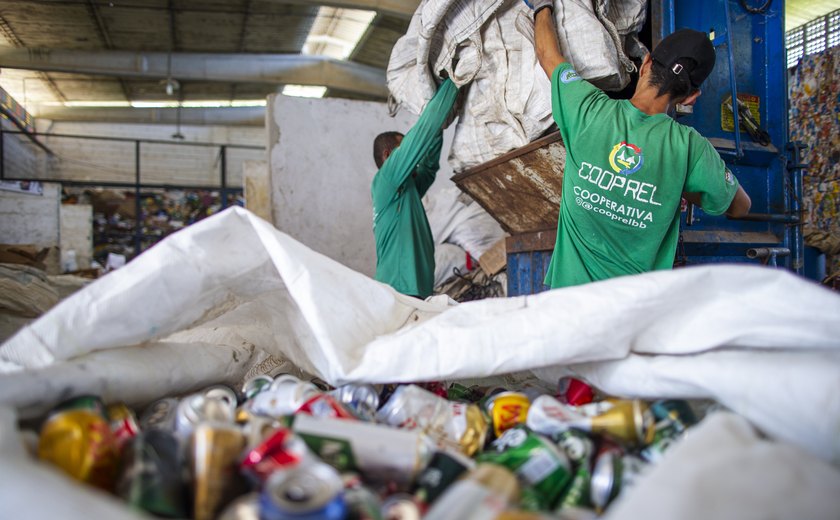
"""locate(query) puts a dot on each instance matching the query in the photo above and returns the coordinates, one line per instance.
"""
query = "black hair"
(384, 142)
(675, 86)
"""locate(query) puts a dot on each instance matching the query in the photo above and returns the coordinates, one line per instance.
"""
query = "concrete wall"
(321, 166)
(257, 189)
(30, 219)
(76, 233)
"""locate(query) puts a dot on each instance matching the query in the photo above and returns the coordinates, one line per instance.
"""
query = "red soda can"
(283, 450)
(574, 391)
(325, 405)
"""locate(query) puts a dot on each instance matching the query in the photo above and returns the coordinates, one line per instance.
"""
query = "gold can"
(81, 443)
(216, 448)
(476, 430)
(507, 409)
(629, 421)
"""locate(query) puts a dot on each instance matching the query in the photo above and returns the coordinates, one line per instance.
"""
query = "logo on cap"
(626, 158)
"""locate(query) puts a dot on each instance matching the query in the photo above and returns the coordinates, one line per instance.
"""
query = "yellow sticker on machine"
(754, 104)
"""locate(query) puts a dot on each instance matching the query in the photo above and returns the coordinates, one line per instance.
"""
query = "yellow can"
(507, 409)
(81, 443)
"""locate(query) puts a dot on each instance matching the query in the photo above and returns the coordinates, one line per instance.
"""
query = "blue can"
(308, 492)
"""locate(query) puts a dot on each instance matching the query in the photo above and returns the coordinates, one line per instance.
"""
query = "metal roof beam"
(398, 8)
(282, 69)
(226, 116)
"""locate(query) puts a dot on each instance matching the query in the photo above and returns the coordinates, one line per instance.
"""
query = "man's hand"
(536, 5)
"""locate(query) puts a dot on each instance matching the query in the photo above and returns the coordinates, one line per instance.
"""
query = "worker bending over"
(405, 250)
(628, 163)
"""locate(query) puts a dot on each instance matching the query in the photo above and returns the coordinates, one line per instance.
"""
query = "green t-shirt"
(624, 177)
(405, 250)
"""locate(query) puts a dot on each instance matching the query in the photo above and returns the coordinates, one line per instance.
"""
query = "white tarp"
(761, 341)
(486, 47)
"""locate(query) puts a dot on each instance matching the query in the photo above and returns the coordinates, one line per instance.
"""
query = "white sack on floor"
(468, 226)
(448, 257)
(721, 469)
(235, 281)
(486, 47)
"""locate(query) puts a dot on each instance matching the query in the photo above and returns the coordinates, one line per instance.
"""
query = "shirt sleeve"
(428, 167)
(573, 100)
(423, 137)
(709, 176)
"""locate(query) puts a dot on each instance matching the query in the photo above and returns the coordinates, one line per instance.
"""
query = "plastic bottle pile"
(286, 448)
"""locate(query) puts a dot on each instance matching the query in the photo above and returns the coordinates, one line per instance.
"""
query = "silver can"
(312, 490)
(362, 399)
(283, 398)
(256, 385)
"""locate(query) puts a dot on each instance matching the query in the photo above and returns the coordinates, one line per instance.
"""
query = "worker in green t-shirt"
(628, 163)
(405, 250)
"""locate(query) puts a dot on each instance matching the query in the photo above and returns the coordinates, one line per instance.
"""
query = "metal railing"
(130, 164)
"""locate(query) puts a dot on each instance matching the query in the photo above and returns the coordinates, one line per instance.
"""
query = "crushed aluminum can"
(361, 399)
(123, 424)
(325, 405)
(160, 415)
(285, 396)
(151, 474)
(382, 453)
(536, 461)
(482, 494)
(80, 442)
(580, 450)
(215, 450)
(362, 502)
(506, 410)
(311, 491)
(401, 506)
(667, 431)
(443, 469)
(454, 425)
(282, 450)
(459, 392)
(256, 385)
(550, 417)
(83, 402)
(223, 393)
(613, 472)
(246, 507)
(196, 409)
(627, 421)
(573, 391)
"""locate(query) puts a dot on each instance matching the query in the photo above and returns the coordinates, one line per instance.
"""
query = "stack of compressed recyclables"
(286, 448)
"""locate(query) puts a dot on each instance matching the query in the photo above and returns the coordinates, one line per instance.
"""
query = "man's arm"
(428, 168)
(421, 139)
(546, 44)
(739, 206)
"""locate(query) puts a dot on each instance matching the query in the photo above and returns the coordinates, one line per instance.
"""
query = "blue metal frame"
(750, 60)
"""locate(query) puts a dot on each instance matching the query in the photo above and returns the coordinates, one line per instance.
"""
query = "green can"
(580, 449)
(537, 462)
(467, 394)
(83, 402)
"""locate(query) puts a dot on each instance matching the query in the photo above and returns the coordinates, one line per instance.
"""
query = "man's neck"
(647, 101)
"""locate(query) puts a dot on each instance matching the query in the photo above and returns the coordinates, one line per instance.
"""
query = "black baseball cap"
(686, 51)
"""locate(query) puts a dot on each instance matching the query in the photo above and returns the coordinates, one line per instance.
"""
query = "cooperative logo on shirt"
(728, 177)
(626, 158)
(568, 76)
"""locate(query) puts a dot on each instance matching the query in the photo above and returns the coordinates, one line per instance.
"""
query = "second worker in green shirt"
(405, 249)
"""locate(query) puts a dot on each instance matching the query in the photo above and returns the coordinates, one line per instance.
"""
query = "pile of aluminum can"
(285, 448)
